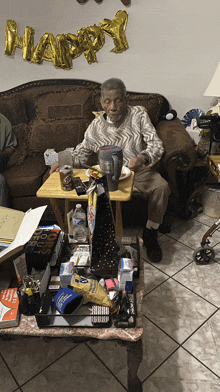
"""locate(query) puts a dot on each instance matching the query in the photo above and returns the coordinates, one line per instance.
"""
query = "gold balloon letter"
(65, 60)
(46, 49)
(12, 40)
(91, 39)
(28, 43)
(116, 29)
(75, 50)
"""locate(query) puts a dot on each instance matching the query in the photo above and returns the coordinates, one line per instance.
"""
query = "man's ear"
(101, 101)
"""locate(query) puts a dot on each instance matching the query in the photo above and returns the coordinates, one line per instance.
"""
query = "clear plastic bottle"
(79, 224)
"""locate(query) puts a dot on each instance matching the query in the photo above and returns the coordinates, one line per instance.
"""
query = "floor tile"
(7, 383)
(191, 234)
(114, 355)
(216, 249)
(182, 373)
(203, 280)
(36, 355)
(207, 220)
(176, 310)
(205, 344)
(153, 277)
(175, 255)
(155, 345)
(79, 371)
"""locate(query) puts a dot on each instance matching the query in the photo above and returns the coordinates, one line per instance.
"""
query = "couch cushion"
(58, 135)
(21, 133)
(65, 104)
(26, 179)
(14, 109)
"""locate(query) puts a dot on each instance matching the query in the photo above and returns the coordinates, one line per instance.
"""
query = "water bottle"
(79, 224)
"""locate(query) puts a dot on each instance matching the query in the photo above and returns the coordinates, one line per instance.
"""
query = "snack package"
(91, 290)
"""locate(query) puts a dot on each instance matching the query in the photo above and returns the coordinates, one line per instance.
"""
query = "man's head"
(113, 99)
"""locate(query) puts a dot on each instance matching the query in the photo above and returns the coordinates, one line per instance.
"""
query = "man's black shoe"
(154, 252)
(164, 228)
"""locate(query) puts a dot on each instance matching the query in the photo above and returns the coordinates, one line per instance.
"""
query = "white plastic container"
(78, 223)
(211, 201)
(125, 274)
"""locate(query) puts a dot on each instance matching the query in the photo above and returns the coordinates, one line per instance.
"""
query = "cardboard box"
(50, 157)
(125, 274)
(66, 273)
(10, 221)
(29, 224)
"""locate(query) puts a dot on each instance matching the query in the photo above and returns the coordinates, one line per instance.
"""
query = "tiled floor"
(181, 340)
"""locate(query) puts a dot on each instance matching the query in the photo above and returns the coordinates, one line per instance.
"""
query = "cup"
(111, 162)
(66, 170)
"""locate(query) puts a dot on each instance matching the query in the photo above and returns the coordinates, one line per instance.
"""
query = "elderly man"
(130, 128)
(8, 143)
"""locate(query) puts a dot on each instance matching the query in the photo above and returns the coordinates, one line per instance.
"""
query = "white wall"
(173, 45)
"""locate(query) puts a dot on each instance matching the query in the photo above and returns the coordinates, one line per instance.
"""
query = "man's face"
(114, 105)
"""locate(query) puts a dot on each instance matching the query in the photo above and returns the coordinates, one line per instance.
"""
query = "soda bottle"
(79, 224)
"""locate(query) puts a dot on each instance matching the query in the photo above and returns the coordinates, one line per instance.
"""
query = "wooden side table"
(52, 189)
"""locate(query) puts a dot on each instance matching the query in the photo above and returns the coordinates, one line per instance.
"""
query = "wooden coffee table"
(52, 189)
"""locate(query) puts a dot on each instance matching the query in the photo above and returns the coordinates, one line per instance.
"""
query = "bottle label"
(78, 222)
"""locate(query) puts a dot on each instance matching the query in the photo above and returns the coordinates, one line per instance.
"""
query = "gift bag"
(104, 248)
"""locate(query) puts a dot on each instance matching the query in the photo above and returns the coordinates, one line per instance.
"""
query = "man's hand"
(136, 162)
(54, 167)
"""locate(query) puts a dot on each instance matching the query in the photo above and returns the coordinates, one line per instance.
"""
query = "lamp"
(213, 90)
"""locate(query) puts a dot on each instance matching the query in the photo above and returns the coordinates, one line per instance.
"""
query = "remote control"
(79, 186)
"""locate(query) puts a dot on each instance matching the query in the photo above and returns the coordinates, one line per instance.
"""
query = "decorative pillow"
(57, 135)
(13, 107)
(21, 133)
(155, 104)
(65, 104)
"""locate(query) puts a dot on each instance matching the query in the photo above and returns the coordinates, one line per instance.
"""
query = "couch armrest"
(178, 145)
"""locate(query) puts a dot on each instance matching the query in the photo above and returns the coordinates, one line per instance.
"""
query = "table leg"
(134, 359)
(118, 220)
(67, 209)
(57, 213)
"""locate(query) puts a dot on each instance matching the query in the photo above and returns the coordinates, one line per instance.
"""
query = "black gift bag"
(104, 257)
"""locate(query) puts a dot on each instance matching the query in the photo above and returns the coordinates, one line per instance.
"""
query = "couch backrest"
(58, 111)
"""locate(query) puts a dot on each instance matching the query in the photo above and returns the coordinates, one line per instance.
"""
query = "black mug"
(111, 162)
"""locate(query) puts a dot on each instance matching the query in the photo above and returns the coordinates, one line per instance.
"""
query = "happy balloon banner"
(66, 47)
(125, 2)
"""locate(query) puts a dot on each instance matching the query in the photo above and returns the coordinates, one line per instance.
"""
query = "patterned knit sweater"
(135, 135)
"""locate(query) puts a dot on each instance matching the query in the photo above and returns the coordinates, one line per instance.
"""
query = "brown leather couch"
(55, 113)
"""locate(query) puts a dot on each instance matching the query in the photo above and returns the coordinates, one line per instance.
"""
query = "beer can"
(66, 176)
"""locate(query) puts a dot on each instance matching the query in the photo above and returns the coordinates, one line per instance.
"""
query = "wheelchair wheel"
(204, 255)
